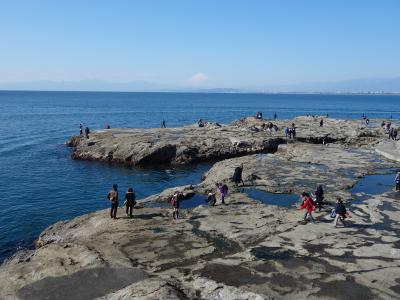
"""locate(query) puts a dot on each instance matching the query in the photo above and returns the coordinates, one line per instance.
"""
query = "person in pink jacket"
(308, 205)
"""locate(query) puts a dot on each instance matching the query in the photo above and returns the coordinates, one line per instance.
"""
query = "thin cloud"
(197, 79)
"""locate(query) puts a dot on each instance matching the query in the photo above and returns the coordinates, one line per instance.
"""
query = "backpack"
(112, 196)
(174, 201)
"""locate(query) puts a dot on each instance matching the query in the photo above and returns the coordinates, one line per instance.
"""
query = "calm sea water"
(40, 184)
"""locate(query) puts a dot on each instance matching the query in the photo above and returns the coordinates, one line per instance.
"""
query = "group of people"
(211, 200)
(222, 189)
(290, 132)
(269, 126)
(265, 127)
(390, 130)
(87, 130)
(259, 115)
(175, 199)
(129, 202)
(311, 203)
(365, 119)
(308, 202)
(201, 123)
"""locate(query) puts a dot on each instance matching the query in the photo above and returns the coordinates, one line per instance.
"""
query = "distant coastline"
(214, 91)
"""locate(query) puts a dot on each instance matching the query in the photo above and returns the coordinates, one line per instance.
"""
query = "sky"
(183, 44)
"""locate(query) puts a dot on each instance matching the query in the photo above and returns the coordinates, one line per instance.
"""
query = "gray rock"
(242, 250)
(389, 149)
(192, 144)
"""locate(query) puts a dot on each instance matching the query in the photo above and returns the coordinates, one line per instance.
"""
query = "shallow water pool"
(371, 185)
(196, 200)
(285, 200)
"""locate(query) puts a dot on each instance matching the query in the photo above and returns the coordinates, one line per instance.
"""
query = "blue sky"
(185, 44)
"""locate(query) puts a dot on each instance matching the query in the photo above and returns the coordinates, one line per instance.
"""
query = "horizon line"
(205, 91)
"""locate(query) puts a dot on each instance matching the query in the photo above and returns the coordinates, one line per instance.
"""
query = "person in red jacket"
(308, 205)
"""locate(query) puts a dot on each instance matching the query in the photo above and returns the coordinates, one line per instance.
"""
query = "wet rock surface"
(82, 285)
(247, 249)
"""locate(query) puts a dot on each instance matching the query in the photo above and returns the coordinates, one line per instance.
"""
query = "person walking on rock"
(340, 211)
(112, 196)
(87, 131)
(237, 175)
(223, 190)
(308, 205)
(163, 125)
(397, 180)
(130, 201)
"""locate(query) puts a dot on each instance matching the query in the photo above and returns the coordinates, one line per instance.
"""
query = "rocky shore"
(247, 249)
(184, 145)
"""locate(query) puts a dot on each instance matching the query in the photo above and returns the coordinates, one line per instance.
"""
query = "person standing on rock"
(80, 129)
(112, 196)
(319, 194)
(293, 131)
(163, 124)
(87, 131)
(308, 205)
(130, 201)
(393, 134)
(223, 190)
(237, 175)
(397, 180)
(175, 199)
(321, 123)
(275, 116)
(340, 211)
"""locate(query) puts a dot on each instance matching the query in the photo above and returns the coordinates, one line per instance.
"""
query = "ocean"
(41, 184)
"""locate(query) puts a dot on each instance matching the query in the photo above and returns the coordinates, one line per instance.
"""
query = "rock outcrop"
(389, 149)
(190, 144)
(243, 250)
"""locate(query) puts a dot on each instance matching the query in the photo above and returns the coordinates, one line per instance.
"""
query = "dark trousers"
(113, 212)
(397, 186)
(307, 214)
(129, 209)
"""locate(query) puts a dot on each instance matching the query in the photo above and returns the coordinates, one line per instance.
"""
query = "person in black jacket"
(130, 201)
(341, 212)
(211, 199)
(237, 175)
(319, 194)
